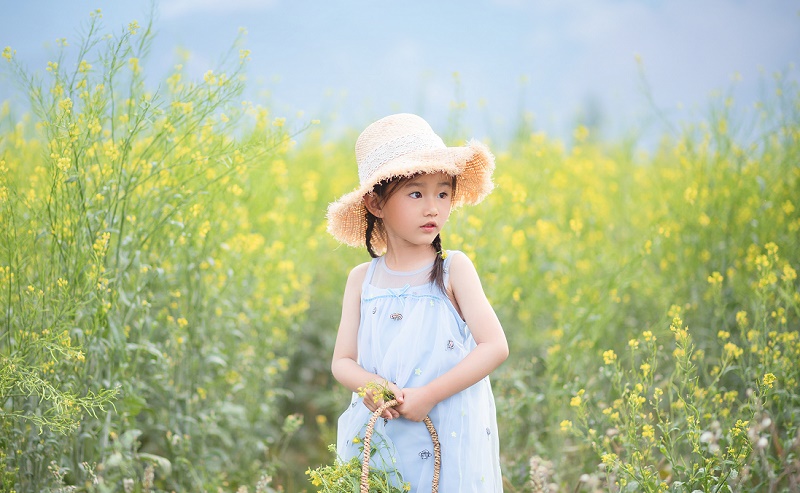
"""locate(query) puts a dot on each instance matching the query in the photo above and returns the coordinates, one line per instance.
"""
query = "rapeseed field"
(169, 297)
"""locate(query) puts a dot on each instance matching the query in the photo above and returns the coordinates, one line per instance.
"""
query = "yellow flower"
(8, 53)
(133, 27)
(63, 163)
(65, 105)
(608, 459)
(566, 425)
(133, 63)
(518, 239)
(732, 350)
(769, 379)
(633, 343)
(645, 369)
(772, 249)
(724, 335)
(648, 432)
(609, 356)
(210, 78)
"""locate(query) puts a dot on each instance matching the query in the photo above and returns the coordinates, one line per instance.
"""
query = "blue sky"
(350, 62)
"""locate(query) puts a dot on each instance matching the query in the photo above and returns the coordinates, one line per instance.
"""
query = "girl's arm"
(344, 366)
(491, 350)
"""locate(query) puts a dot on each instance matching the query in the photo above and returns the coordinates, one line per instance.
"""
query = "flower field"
(169, 297)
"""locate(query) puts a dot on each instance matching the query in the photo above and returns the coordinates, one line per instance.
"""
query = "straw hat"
(404, 145)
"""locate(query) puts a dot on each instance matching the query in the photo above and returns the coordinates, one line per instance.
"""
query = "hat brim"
(472, 166)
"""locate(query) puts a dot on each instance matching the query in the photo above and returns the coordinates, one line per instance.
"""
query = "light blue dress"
(410, 333)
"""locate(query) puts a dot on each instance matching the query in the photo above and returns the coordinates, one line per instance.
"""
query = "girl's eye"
(443, 195)
(415, 195)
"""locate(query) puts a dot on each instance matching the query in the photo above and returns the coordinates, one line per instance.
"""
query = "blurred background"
(170, 296)
(610, 64)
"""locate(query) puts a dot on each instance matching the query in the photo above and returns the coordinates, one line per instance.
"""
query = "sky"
(348, 63)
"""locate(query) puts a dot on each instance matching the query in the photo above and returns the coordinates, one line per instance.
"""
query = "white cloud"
(171, 9)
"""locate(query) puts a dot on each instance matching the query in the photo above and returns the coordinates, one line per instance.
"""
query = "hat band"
(396, 148)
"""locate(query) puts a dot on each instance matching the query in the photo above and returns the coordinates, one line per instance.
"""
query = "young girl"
(415, 319)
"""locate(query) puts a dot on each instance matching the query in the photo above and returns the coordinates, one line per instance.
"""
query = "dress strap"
(370, 272)
(447, 261)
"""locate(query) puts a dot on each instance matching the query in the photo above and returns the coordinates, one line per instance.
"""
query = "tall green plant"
(147, 317)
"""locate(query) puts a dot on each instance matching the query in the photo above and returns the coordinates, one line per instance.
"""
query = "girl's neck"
(409, 258)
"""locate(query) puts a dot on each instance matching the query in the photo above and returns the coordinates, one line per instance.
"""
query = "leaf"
(162, 462)
(146, 347)
(133, 404)
(217, 360)
(128, 438)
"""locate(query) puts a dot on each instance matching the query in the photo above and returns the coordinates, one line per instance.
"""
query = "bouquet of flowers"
(345, 476)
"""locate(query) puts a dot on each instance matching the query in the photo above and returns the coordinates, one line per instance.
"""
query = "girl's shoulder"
(456, 259)
(460, 268)
(358, 273)
(352, 290)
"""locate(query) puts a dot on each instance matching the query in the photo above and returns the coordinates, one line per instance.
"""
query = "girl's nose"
(432, 210)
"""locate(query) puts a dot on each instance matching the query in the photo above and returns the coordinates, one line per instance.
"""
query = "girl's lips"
(428, 227)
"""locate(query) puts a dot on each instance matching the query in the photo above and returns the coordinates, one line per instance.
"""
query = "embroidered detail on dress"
(396, 316)
(374, 309)
(425, 454)
(451, 344)
(488, 431)
(417, 372)
(399, 293)
(453, 434)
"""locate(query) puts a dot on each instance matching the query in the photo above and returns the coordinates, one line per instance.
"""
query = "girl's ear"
(372, 203)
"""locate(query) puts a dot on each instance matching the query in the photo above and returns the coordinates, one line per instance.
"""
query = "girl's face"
(416, 210)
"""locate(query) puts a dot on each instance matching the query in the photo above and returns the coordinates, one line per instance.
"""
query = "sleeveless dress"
(410, 333)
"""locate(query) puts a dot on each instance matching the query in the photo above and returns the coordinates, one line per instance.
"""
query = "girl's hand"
(375, 396)
(417, 403)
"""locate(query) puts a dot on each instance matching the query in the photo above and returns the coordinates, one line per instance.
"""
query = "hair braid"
(437, 272)
(368, 235)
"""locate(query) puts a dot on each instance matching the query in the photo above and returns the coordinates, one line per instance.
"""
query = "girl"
(415, 319)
